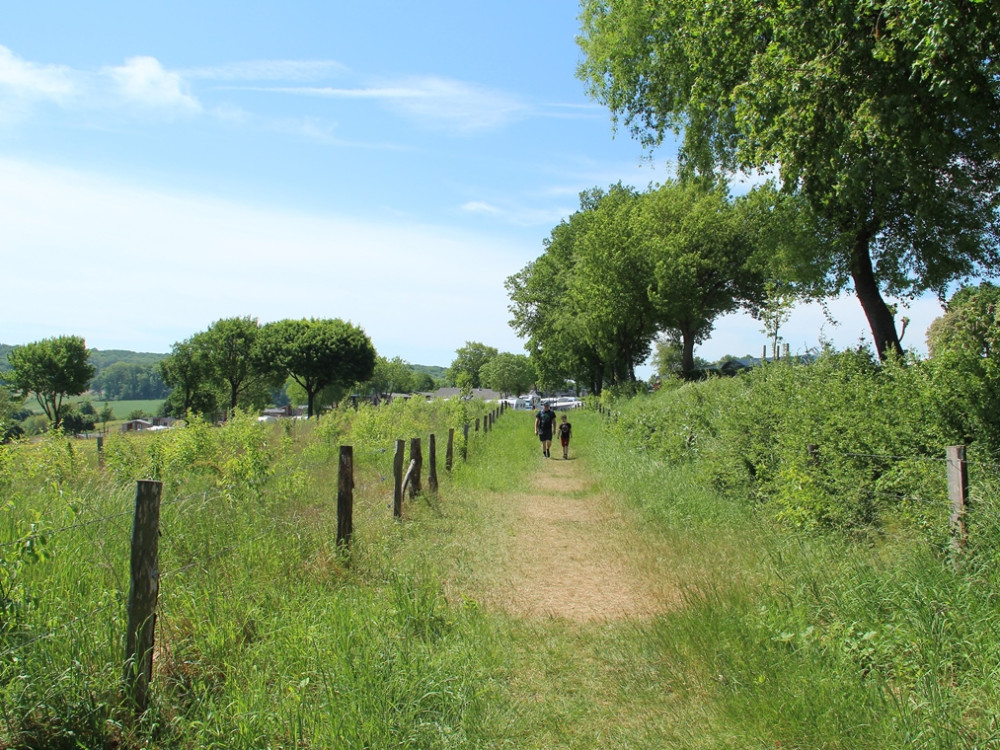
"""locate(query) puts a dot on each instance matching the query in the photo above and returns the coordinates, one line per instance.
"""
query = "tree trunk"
(687, 351)
(880, 318)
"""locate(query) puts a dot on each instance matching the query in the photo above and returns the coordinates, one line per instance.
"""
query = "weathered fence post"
(397, 479)
(477, 424)
(345, 496)
(787, 352)
(432, 474)
(958, 492)
(100, 451)
(449, 453)
(416, 461)
(143, 592)
(465, 441)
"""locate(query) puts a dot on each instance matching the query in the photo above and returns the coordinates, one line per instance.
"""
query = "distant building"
(136, 425)
(485, 394)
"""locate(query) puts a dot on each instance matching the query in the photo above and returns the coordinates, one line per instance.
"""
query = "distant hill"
(101, 358)
(434, 371)
(118, 373)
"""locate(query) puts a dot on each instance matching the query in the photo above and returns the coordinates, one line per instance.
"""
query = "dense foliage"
(50, 370)
(267, 633)
(629, 266)
(884, 116)
(844, 442)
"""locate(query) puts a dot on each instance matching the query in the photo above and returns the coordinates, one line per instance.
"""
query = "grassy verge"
(789, 639)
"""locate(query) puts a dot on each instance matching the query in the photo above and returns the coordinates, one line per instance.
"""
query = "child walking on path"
(565, 428)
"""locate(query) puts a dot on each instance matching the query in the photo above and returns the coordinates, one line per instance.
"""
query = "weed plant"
(823, 604)
(267, 633)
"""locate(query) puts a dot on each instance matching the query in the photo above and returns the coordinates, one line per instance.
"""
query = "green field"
(122, 409)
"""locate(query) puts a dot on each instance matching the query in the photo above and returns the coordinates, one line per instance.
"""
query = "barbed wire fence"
(367, 489)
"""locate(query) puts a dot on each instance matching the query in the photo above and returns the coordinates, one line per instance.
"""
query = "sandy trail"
(570, 556)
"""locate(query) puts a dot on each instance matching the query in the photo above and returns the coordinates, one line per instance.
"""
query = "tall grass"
(821, 634)
(267, 635)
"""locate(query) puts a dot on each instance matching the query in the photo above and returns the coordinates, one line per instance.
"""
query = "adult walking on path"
(544, 423)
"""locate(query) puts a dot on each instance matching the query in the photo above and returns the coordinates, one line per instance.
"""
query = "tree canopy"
(51, 369)
(508, 373)
(628, 266)
(884, 115)
(469, 359)
(231, 347)
(318, 353)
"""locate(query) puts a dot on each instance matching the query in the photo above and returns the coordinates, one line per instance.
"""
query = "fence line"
(146, 576)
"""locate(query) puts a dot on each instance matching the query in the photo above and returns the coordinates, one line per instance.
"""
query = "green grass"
(121, 409)
(269, 636)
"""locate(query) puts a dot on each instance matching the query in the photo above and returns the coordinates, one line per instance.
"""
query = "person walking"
(544, 422)
(565, 429)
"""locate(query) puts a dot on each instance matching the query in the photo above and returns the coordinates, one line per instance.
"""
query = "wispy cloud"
(30, 79)
(518, 215)
(144, 81)
(25, 85)
(354, 266)
(268, 70)
(435, 102)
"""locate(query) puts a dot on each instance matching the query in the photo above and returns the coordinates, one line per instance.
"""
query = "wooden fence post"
(397, 479)
(143, 592)
(100, 451)
(477, 424)
(465, 441)
(416, 461)
(345, 496)
(432, 474)
(958, 493)
(449, 454)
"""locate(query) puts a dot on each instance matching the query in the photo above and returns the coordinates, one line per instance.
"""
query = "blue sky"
(389, 163)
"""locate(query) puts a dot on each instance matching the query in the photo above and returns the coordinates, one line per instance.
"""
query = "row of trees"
(630, 266)
(237, 362)
(880, 117)
(129, 381)
(477, 365)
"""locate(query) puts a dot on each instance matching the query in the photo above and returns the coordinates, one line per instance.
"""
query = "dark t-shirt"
(564, 430)
(545, 421)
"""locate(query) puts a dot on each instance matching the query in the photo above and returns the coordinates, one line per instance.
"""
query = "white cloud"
(434, 102)
(143, 80)
(31, 80)
(129, 267)
(481, 207)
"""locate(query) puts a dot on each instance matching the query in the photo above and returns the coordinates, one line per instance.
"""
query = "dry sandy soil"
(574, 554)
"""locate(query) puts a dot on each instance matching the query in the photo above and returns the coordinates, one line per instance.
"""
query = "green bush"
(843, 442)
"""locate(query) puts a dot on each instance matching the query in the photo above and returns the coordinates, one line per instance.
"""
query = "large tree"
(51, 369)
(231, 348)
(508, 373)
(469, 359)
(189, 373)
(318, 353)
(884, 115)
(704, 259)
(541, 313)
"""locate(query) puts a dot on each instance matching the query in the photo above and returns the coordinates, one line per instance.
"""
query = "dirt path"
(571, 557)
